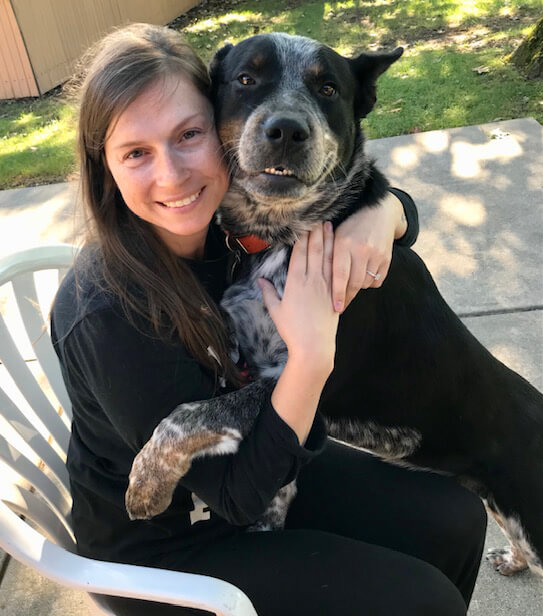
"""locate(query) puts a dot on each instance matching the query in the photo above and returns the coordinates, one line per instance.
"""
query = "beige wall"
(56, 32)
(16, 77)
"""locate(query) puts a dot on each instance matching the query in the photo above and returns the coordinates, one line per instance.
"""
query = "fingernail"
(338, 305)
(328, 226)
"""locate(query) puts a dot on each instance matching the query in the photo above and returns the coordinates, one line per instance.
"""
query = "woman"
(137, 331)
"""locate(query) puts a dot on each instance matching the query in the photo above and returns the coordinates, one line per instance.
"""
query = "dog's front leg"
(208, 427)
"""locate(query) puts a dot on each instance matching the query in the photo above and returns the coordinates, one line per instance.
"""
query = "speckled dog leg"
(511, 559)
(209, 427)
(275, 515)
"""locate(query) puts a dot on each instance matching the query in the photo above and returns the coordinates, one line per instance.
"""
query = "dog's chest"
(254, 330)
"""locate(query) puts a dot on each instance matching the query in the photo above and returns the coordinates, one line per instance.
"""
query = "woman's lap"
(313, 573)
(354, 551)
(422, 514)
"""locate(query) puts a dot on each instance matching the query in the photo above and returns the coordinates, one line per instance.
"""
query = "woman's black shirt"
(122, 381)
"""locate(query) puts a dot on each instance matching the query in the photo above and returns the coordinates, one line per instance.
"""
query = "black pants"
(363, 538)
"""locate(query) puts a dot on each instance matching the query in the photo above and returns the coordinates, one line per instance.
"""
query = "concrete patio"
(479, 191)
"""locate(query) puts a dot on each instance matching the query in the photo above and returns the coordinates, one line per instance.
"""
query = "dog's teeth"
(274, 171)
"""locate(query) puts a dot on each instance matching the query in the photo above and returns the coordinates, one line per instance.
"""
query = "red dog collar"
(250, 244)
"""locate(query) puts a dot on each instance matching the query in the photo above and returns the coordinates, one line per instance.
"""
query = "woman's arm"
(135, 381)
(364, 241)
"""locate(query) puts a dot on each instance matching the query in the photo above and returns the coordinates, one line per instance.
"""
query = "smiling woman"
(172, 176)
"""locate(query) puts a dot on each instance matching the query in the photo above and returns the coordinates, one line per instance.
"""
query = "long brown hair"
(135, 265)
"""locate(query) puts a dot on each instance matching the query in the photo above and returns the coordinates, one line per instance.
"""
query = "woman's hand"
(305, 316)
(363, 249)
(306, 320)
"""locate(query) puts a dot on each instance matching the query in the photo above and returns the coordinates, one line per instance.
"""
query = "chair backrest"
(34, 405)
(35, 420)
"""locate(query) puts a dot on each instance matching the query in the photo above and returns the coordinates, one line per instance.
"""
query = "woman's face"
(165, 157)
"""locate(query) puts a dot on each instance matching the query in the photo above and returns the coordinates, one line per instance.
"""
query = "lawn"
(454, 71)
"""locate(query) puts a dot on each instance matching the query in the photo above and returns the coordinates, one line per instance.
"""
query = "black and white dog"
(410, 382)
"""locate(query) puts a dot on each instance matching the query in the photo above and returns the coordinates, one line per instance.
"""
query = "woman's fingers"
(328, 251)
(376, 272)
(341, 275)
(269, 294)
(298, 257)
(315, 250)
(312, 253)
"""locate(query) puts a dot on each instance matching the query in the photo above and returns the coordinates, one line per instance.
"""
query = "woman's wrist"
(316, 364)
(297, 393)
(394, 204)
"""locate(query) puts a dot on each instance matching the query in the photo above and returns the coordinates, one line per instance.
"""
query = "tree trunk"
(528, 57)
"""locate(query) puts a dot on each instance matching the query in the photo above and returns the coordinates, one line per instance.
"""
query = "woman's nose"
(170, 170)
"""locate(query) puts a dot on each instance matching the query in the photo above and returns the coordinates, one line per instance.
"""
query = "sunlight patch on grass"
(55, 132)
(335, 7)
(464, 10)
(223, 20)
(279, 20)
(26, 118)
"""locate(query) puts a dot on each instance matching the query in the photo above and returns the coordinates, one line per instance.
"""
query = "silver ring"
(374, 276)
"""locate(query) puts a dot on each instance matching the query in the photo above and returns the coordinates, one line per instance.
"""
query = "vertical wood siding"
(56, 32)
(16, 77)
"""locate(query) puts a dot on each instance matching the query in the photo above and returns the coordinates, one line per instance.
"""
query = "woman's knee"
(465, 524)
(431, 594)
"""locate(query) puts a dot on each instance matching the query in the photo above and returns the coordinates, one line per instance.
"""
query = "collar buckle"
(249, 244)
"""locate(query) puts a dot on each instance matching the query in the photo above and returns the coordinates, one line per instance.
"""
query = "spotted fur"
(388, 442)
(519, 554)
(275, 515)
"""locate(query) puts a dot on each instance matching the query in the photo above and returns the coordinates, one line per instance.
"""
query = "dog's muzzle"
(282, 155)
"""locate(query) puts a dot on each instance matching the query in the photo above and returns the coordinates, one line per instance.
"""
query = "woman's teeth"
(183, 202)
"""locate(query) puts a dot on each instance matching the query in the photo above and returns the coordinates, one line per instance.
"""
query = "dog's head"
(288, 111)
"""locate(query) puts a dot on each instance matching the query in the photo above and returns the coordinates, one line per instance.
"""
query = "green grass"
(36, 142)
(434, 89)
(433, 86)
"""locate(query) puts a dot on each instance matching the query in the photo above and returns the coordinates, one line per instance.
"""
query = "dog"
(410, 383)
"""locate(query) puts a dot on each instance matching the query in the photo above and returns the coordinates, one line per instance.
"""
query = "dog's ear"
(215, 71)
(367, 67)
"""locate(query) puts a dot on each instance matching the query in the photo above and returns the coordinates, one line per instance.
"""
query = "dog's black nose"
(282, 129)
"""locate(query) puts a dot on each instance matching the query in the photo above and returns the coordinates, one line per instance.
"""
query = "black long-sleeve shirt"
(122, 382)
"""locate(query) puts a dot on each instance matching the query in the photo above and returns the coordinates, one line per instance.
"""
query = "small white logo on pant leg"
(201, 510)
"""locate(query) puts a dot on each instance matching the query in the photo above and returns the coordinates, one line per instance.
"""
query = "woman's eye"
(190, 134)
(135, 154)
(328, 89)
(246, 80)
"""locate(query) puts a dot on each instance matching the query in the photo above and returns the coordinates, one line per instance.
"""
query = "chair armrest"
(93, 576)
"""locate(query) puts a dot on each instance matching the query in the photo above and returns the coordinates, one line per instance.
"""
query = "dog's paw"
(506, 561)
(165, 459)
(152, 481)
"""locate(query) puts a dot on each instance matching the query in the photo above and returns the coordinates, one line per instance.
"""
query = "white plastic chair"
(34, 437)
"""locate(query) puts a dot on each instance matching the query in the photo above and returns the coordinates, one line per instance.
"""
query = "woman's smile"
(182, 204)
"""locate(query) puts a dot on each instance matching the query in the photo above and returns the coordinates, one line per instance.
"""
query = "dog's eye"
(328, 89)
(246, 80)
